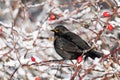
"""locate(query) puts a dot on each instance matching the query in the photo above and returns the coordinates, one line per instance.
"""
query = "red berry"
(79, 59)
(106, 14)
(33, 59)
(110, 27)
(52, 17)
(37, 78)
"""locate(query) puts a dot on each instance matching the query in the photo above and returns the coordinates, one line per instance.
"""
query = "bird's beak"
(54, 30)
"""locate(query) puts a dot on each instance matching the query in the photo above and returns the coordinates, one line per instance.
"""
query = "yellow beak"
(54, 30)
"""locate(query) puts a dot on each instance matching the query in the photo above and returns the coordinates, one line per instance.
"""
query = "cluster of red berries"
(109, 26)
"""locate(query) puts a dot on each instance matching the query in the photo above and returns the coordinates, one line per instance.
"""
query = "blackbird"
(70, 46)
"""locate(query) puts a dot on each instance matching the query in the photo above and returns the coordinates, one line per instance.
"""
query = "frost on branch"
(26, 42)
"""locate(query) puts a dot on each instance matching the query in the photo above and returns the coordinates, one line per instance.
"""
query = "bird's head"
(60, 30)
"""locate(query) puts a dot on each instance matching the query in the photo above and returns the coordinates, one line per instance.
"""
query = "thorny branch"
(25, 31)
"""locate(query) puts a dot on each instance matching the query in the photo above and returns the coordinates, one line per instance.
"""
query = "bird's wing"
(77, 40)
(67, 46)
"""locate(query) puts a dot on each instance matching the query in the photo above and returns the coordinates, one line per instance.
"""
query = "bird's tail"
(93, 54)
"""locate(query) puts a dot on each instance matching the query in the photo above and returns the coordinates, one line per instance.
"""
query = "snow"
(24, 22)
